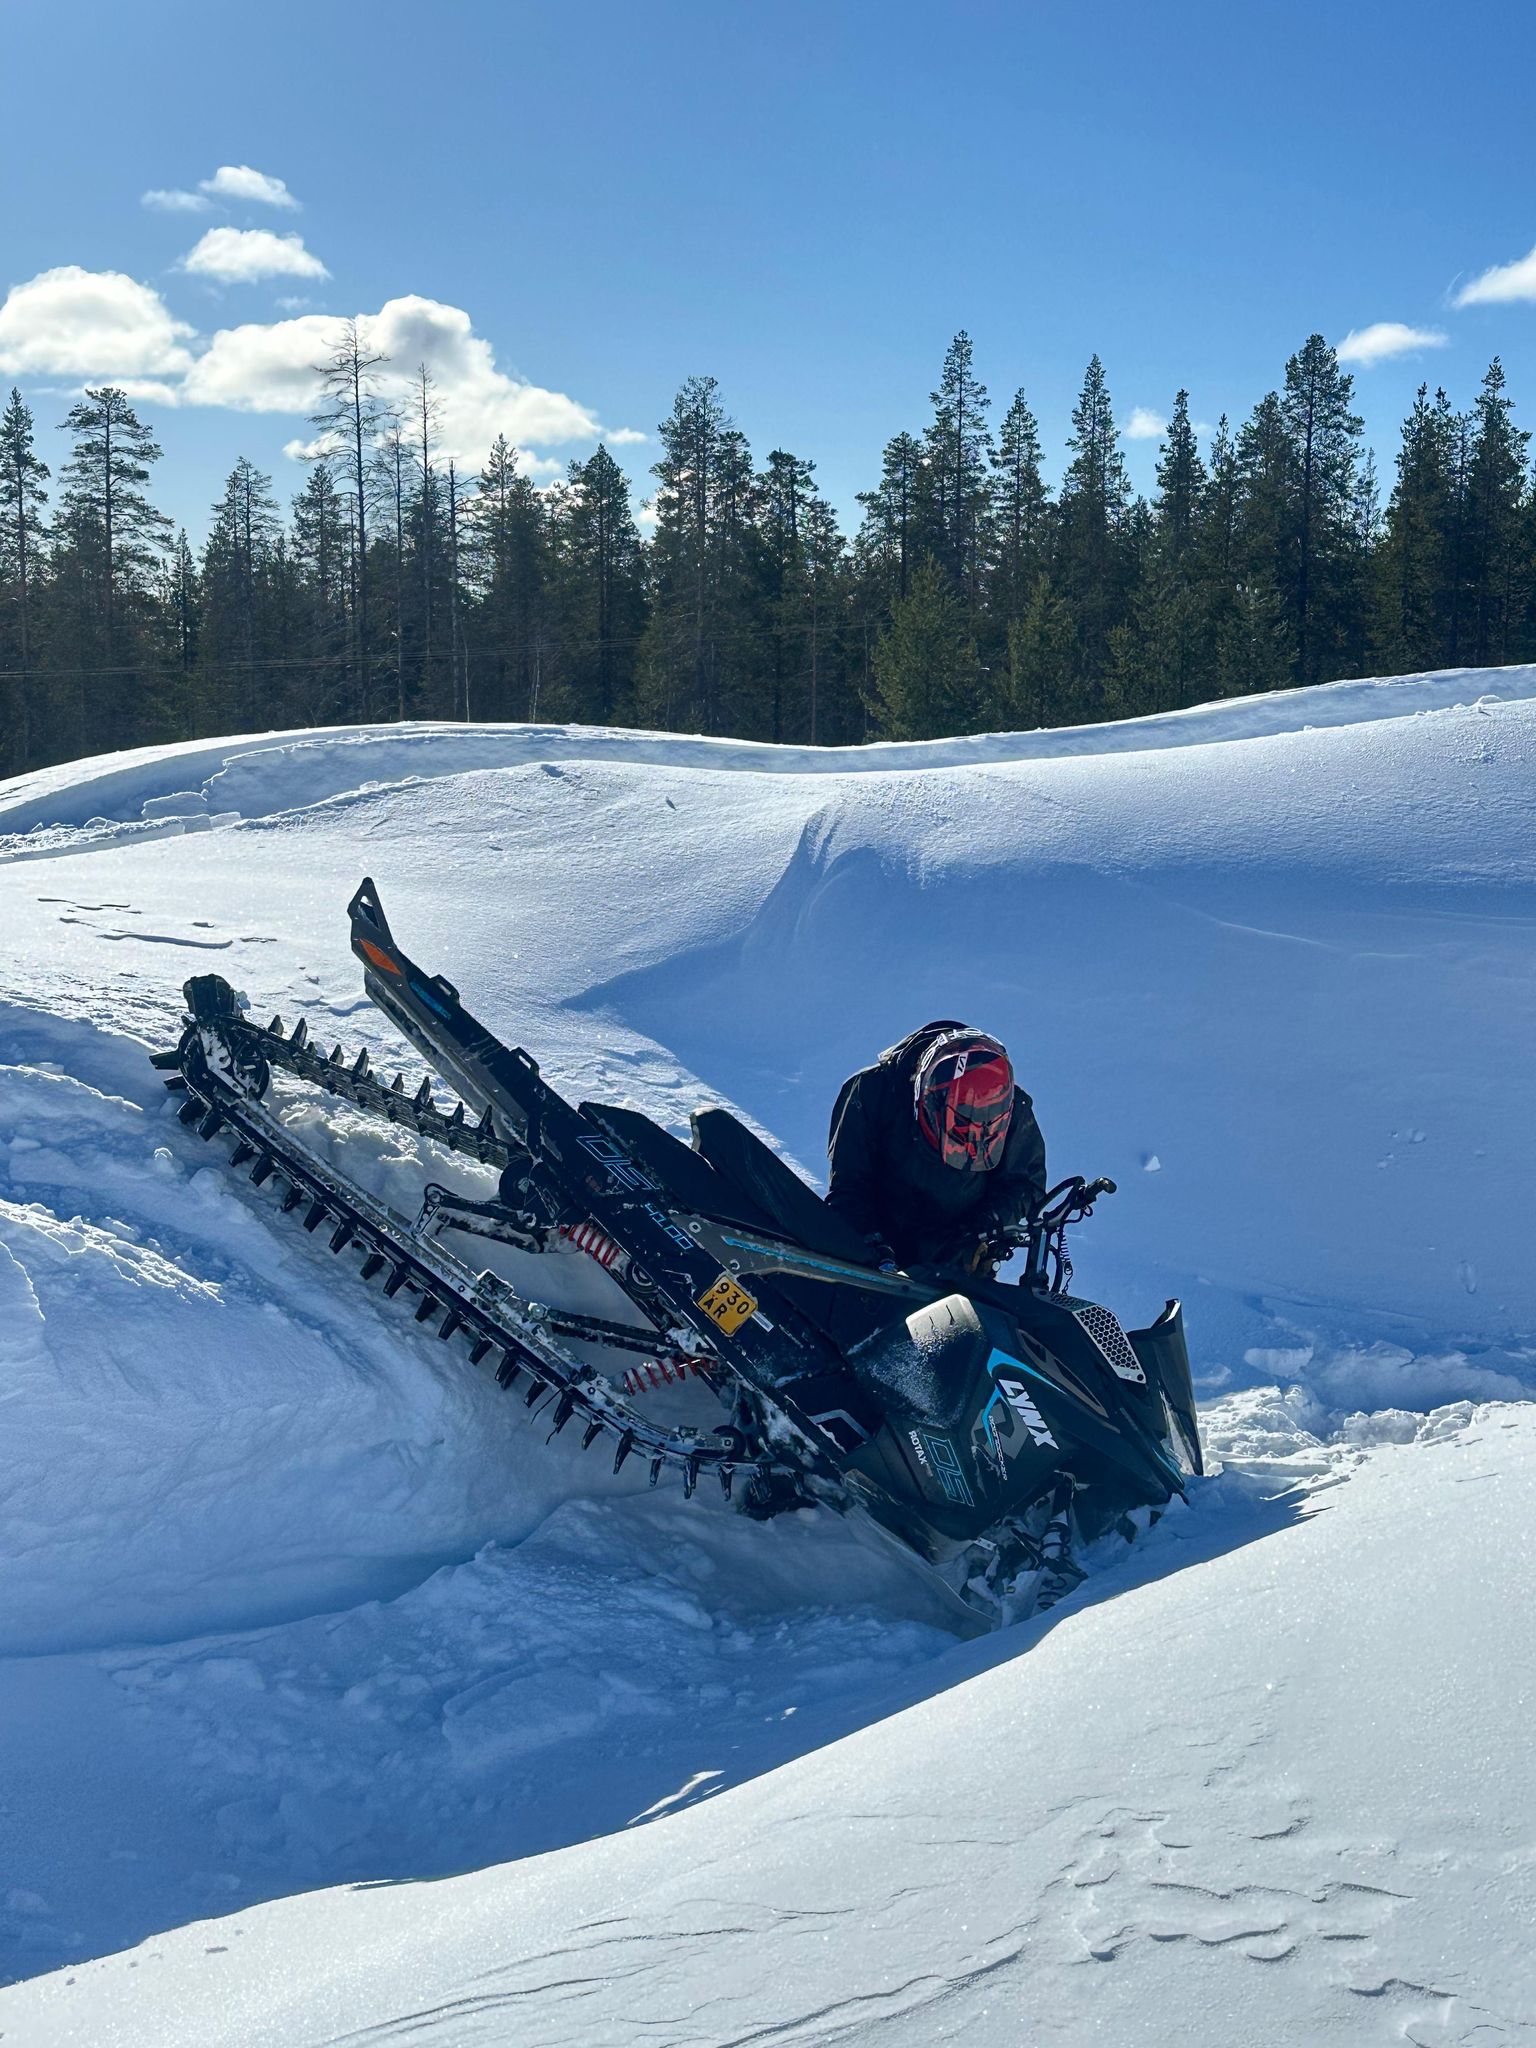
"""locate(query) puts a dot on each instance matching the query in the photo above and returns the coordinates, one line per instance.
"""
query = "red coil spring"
(597, 1244)
(658, 1372)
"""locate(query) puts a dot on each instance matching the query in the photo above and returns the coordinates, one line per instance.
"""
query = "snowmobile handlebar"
(1067, 1202)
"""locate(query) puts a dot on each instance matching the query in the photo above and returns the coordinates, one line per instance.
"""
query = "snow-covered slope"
(292, 1599)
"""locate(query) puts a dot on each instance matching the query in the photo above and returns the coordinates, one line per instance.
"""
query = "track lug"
(690, 1475)
(478, 1349)
(656, 1464)
(456, 1121)
(191, 1110)
(264, 1169)
(590, 1435)
(486, 1123)
(372, 1266)
(626, 1445)
(451, 1322)
(315, 1215)
(534, 1391)
(292, 1199)
(275, 1028)
(398, 1275)
(212, 1122)
(341, 1236)
(337, 1058)
(565, 1408)
(360, 1066)
(727, 1475)
(244, 1150)
(423, 1096)
(176, 1084)
(508, 1370)
(300, 1037)
(397, 1086)
(427, 1306)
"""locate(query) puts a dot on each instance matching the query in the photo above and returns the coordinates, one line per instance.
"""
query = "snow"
(295, 1599)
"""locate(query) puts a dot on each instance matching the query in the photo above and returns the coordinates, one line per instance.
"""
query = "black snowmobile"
(981, 1425)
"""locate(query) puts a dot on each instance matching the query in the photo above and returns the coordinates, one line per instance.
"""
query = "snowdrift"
(292, 1600)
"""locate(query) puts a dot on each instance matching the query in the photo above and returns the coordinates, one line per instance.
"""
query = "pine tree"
(784, 491)
(107, 567)
(1092, 553)
(1323, 439)
(348, 421)
(887, 545)
(928, 674)
(23, 474)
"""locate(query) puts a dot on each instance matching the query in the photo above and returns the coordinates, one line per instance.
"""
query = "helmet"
(963, 1095)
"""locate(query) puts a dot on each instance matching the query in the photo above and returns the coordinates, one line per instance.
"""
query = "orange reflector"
(379, 959)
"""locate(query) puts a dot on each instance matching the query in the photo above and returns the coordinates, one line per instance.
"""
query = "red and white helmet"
(963, 1095)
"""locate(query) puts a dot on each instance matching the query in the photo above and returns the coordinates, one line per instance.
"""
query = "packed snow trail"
(296, 1598)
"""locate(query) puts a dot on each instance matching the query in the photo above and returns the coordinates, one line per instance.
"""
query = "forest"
(972, 596)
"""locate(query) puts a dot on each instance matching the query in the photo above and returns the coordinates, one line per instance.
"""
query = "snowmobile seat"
(688, 1178)
(757, 1172)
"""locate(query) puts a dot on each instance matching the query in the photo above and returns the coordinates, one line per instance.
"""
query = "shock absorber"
(597, 1244)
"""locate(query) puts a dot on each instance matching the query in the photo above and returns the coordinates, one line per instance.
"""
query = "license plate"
(727, 1304)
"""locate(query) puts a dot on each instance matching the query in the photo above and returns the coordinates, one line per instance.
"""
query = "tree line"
(970, 597)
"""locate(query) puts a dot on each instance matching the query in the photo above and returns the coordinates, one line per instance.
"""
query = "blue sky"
(572, 207)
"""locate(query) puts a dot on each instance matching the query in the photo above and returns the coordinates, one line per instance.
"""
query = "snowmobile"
(985, 1427)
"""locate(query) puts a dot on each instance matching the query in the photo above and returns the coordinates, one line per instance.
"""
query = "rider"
(933, 1148)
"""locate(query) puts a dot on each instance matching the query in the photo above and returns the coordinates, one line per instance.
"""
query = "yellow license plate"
(727, 1304)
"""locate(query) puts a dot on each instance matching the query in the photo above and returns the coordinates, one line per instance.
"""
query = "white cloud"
(246, 255)
(625, 437)
(239, 181)
(1506, 284)
(1385, 339)
(90, 323)
(1145, 425)
(176, 202)
(270, 367)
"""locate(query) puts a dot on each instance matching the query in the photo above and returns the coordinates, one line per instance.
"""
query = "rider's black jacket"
(892, 1186)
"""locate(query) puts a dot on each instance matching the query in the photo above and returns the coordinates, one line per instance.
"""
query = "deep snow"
(293, 1597)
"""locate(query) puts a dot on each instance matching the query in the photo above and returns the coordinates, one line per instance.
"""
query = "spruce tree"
(702, 664)
(324, 627)
(1093, 556)
(959, 455)
(927, 671)
(601, 592)
(1020, 512)
(1042, 661)
(1499, 567)
(236, 596)
(507, 547)
(1412, 561)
